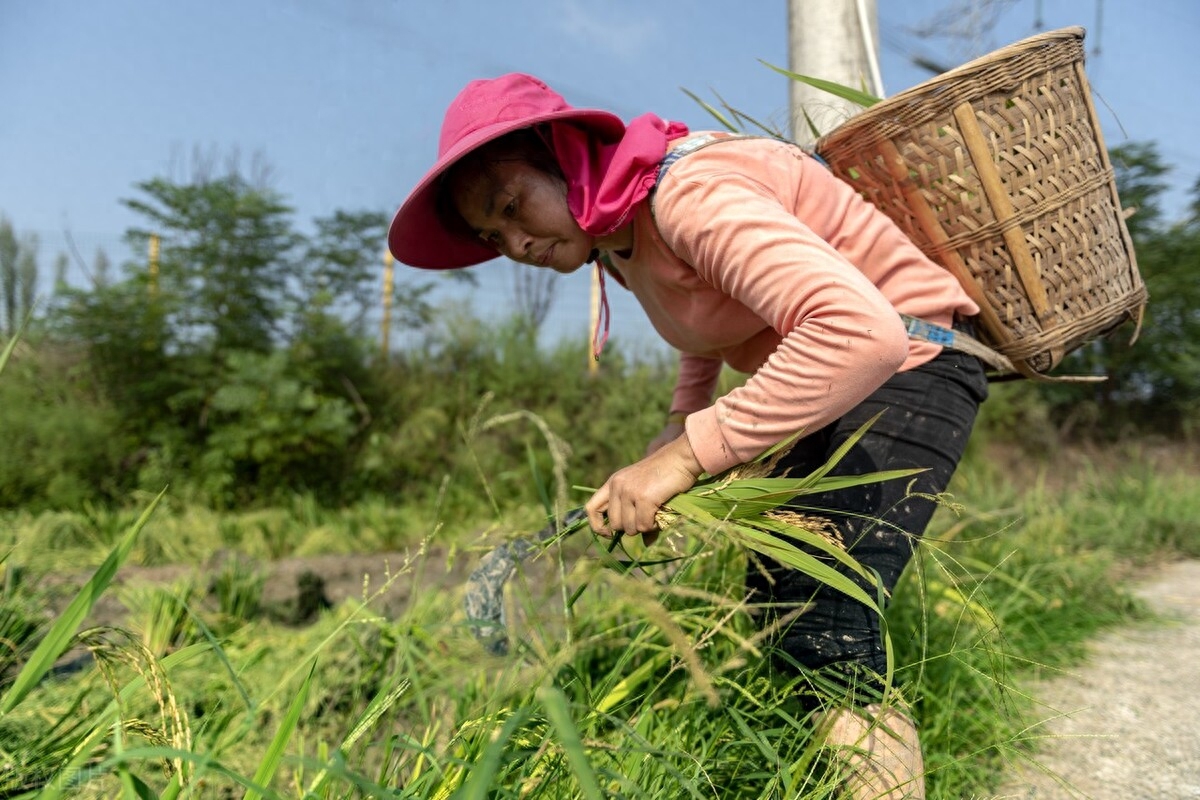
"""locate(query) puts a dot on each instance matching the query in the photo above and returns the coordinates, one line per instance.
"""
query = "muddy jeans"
(928, 415)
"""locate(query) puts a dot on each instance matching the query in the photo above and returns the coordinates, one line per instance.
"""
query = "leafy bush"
(62, 443)
(270, 430)
(440, 396)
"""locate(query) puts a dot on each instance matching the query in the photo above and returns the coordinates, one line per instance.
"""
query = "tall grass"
(661, 686)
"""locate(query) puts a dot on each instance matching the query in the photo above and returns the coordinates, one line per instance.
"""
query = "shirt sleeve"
(698, 376)
(841, 338)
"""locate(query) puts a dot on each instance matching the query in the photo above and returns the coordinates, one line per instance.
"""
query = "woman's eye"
(510, 210)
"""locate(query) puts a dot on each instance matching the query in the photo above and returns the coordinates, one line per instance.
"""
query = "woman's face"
(522, 212)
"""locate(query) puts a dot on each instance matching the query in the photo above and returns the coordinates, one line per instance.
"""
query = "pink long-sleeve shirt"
(756, 256)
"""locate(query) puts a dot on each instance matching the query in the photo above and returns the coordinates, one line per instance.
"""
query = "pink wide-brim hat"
(483, 111)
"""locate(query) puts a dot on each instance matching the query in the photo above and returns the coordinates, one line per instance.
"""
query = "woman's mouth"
(547, 254)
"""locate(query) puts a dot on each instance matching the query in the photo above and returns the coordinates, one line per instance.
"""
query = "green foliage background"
(242, 373)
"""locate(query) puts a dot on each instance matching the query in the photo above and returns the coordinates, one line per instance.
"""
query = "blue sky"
(343, 98)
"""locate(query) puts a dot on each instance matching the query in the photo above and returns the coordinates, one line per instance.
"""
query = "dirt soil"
(294, 589)
(1126, 723)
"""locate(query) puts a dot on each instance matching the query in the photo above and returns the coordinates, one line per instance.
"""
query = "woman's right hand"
(669, 433)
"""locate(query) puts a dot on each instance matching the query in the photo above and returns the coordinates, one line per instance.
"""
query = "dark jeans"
(928, 415)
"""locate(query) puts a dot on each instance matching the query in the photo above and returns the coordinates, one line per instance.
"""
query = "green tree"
(18, 275)
(1154, 382)
(228, 247)
(342, 278)
(250, 338)
(27, 275)
(9, 253)
(341, 264)
(341, 284)
(61, 262)
(101, 269)
(272, 429)
(133, 352)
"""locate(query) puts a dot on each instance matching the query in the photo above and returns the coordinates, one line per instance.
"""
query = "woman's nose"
(516, 243)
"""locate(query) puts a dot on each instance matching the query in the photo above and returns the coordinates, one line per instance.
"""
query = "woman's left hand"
(632, 496)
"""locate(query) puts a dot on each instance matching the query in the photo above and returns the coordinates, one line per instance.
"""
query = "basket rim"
(902, 99)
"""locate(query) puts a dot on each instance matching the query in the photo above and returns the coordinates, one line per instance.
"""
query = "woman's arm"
(841, 338)
(694, 388)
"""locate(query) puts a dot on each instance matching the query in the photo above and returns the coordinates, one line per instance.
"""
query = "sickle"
(484, 599)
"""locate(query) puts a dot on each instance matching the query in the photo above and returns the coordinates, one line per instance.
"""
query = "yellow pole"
(388, 285)
(593, 321)
(154, 250)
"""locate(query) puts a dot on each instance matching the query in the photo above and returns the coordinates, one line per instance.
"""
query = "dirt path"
(1130, 728)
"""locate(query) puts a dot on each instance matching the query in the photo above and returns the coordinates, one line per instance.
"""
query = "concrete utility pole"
(835, 40)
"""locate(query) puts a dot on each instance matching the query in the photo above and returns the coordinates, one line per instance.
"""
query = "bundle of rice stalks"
(750, 508)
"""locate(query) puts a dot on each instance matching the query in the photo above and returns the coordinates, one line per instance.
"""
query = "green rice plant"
(228, 748)
(620, 707)
(237, 586)
(380, 705)
(75, 736)
(270, 763)
(57, 757)
(651, 645)
(161, 615)
(996, 593)
(63, 631)
(737, 121)
(996, 598)
(637, 672)
(21, 622)
(848, 93)
(633, 694)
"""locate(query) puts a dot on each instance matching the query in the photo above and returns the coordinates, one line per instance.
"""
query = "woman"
(742, 251)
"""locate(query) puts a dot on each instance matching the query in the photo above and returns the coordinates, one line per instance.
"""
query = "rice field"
(632, 672)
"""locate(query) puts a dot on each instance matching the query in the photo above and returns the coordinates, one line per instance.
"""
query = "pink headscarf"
(606, 179)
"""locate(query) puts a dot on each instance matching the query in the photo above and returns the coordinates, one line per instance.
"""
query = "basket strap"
(957, 340)
(697, 142)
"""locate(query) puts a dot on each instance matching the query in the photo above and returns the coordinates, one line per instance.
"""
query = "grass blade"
(60, 636)
(479, 784)
(813, 540)
(841, 452)
(12, 342)
(753, 496)
(270, 763)
(375, 709)
(631, 681)
(8, 351)
(711, 109)
(219, 652)
(847, 93)
(743, 117)
(204, 762)
(775, 548)
(555, 703)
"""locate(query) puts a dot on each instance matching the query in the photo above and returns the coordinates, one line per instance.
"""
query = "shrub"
(62, 444)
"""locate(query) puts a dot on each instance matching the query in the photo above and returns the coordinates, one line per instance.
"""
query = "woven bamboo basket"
(997, 170)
